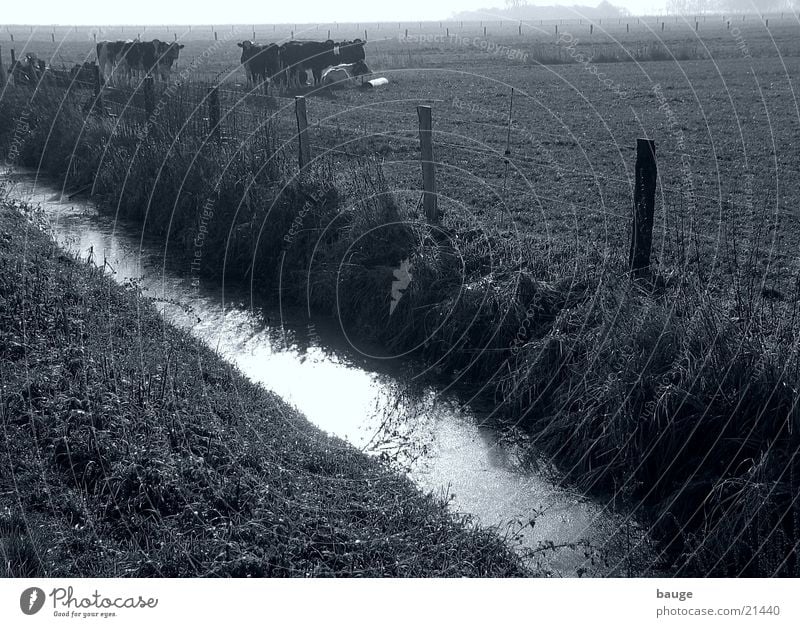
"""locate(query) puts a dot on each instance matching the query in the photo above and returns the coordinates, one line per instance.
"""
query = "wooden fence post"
(98, 88)
(3, 77)
(428, 169)
(149, 104)
(303, 147)
(644, 200)
(213, 112)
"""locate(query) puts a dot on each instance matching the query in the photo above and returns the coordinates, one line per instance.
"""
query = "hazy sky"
(265, 11)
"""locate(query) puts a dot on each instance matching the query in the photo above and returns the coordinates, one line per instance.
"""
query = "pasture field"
(680, 396)
(725, 120)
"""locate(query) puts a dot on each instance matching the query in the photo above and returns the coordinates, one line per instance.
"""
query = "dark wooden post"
(3, 77)
(644, 201)
(149, 104)
(213, 112)
(428, 169)
(303, 147)
(98, 88)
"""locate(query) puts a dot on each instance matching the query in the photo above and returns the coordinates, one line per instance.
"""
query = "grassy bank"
(130, 449)
(681, 397)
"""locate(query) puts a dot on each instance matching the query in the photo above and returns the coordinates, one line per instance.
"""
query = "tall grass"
(681, 395)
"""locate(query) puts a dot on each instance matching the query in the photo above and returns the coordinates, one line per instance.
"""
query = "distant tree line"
(521, 10)
(696, 7)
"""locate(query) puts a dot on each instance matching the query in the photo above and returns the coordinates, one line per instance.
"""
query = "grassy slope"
(130, 449)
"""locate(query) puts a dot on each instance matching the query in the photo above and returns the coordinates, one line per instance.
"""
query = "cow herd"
(287, 65)
(127, 60)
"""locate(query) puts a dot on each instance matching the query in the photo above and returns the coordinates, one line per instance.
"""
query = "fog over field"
(245, 12)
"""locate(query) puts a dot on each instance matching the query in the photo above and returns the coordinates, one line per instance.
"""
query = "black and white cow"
(110, 55)
(342, 75)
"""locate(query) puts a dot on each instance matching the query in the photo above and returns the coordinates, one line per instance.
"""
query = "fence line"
(226, 114)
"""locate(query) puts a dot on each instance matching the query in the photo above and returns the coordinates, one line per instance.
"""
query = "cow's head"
(249, 49)
(167, 52)
(351, 51)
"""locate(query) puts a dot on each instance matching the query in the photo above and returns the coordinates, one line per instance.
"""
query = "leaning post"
(98, 88)
(428, 170)
(644, 200)
(213, 113)
(303, 147)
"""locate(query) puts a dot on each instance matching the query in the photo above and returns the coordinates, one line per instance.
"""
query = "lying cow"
(341, 75)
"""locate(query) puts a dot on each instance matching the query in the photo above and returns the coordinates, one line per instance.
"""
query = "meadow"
(679, 395)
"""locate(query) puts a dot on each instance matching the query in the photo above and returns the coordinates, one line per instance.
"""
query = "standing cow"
(297, 57)
(261, 63)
